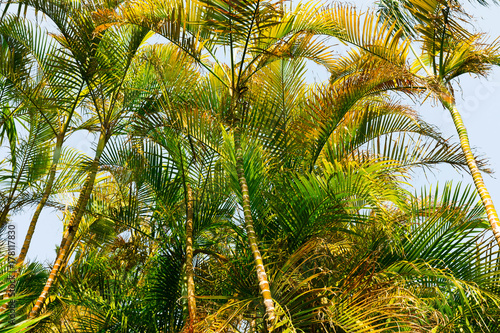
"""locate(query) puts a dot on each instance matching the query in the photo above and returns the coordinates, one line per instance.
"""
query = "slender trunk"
(43, 201)
(3, 216)
(73, 225)
(189, 260)
(474, 170)
(252, 237)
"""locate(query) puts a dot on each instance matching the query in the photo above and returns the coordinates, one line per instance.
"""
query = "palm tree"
(90, 63)
(240, 26)
(205, 202)
(448, 51)
(55, 98)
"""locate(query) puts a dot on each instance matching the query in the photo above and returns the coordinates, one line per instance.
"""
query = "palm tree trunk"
(73, 225)
(252, 238)
(43, 201)
(474, 170)
(189, 260)
(3, 216)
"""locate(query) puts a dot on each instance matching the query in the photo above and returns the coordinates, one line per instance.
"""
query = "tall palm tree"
(447, 51)
(205, 203)
(241, 32)
(102, 63)
(56, 98)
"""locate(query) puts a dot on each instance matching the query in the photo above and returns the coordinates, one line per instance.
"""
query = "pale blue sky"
(478, 102)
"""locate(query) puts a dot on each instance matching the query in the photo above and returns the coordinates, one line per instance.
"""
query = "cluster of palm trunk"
(226, 193)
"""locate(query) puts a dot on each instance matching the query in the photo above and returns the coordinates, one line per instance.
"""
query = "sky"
(478, 100)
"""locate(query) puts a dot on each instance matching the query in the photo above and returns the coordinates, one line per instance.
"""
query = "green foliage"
(346, 246)
(12, 319)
